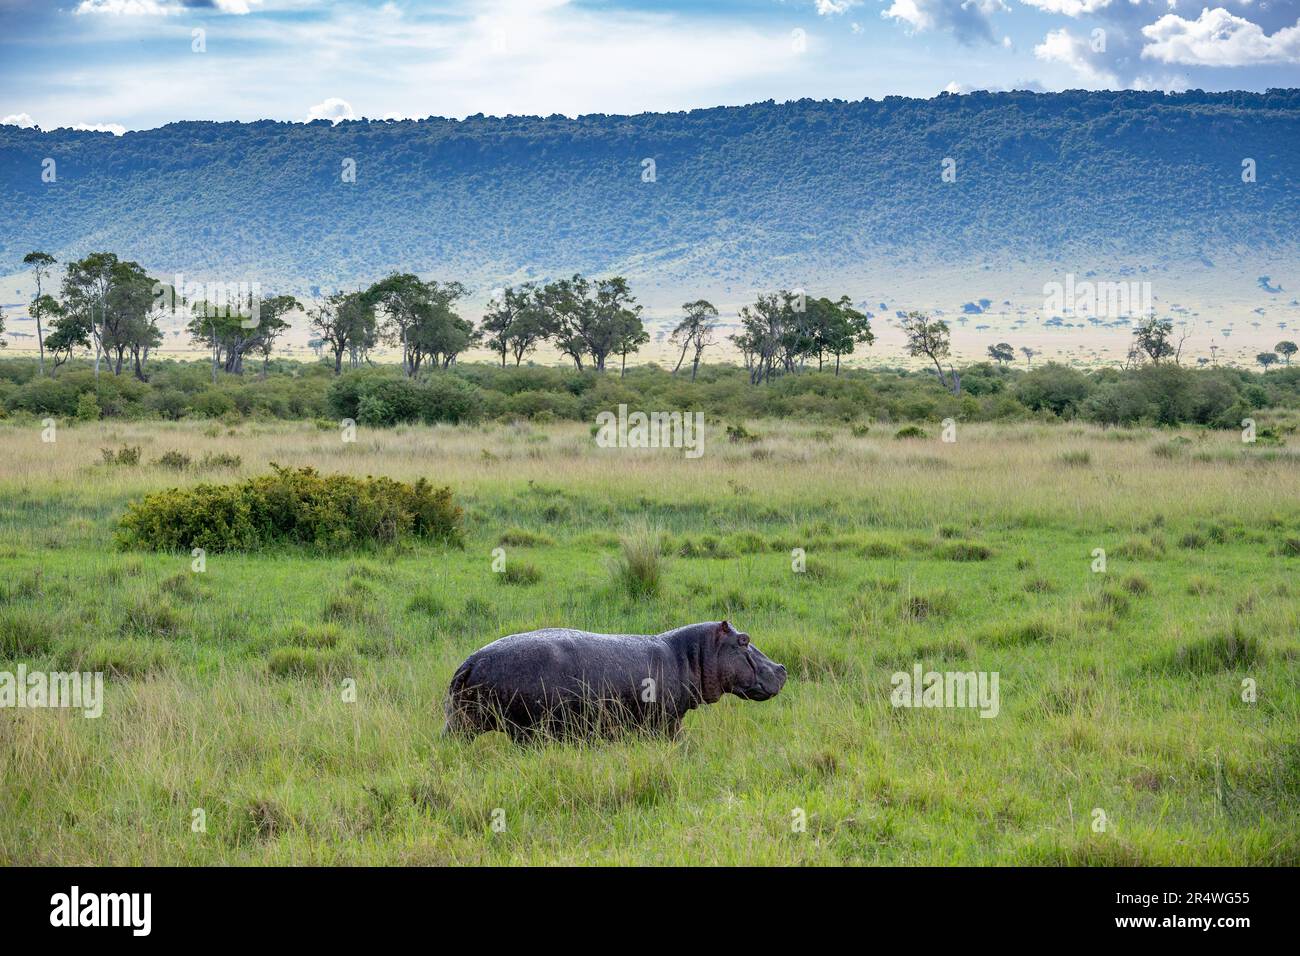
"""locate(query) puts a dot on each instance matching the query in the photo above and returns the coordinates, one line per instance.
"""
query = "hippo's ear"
(725, 628)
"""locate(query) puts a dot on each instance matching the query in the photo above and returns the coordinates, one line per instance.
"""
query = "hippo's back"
(560, 657)
(525, 679)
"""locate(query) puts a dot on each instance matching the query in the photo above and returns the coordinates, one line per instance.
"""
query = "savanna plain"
(285, 706)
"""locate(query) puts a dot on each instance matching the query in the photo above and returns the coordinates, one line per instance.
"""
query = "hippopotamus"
(562, 682)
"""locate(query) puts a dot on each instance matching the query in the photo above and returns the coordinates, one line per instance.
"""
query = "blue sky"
(135, 64)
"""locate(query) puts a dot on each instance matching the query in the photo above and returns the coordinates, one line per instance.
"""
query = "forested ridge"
(734, 192)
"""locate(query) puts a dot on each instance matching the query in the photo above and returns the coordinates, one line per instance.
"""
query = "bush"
(380, 398)
(640, 564)
(291, 506)
(126, 455)
(1054, 387)
(213, 404)
(87, 408)
(910, 431)
(221, 460)
(175, 460)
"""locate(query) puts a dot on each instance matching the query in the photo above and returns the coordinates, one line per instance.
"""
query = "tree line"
(113, 308)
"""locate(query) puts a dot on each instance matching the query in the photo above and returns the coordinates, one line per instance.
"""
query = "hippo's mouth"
(765, 689)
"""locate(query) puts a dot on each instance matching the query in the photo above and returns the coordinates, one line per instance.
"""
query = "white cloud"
(829, 8)
(1218, 38)
(967, 20)
(128, 8)
(1061, 46)
(333, 109)
(162, 8)
(1071, 8)
(21, 120)
(117, 129)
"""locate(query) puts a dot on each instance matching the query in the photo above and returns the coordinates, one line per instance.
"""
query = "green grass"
(296, 699)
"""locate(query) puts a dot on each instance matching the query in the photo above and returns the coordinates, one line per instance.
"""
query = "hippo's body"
(564, 682)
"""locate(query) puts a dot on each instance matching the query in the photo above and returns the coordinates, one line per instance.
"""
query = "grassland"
(1119, 690)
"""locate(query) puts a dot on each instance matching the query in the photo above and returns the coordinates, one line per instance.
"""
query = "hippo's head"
(743, 669)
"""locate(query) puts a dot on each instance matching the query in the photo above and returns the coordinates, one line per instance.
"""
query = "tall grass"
(296, 698)
(639, 567)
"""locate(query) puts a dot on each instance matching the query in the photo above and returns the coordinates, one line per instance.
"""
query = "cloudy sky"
(135, 64)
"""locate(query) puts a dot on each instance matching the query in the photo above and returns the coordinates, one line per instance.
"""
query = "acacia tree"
(835, 328)
(272, 324)
(419, 316)
(592, 320)
(1028, 353)
(929, 338)
(1152, 339)
(1266, 359)
(1002, 353)
(695, 331)
(1286, 350)
(86, 285)
(129, 324)
(403, 298)
(69, 332)
(513, 324)
(566, 310)
(629, 336)
(344, 321)
(231, 331)
(764, 330)
(440, 334)
(41, 263)
(617, 327)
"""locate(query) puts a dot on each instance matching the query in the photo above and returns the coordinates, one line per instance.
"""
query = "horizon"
(119, 65)
(556, 117)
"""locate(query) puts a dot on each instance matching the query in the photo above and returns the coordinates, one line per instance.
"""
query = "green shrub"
(291, 506)
(126, 455)
(213, 403)
(87, 407)
(738, 433)
(221, 460)
(910, 431)
(175, 460)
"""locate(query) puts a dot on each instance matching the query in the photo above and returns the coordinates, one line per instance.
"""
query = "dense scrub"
(1164, 394)
(290, 506)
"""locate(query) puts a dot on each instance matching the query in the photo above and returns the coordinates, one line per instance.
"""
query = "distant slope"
(767, 194)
